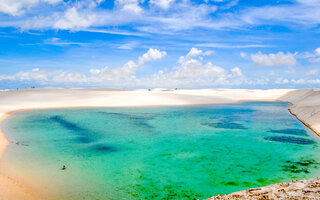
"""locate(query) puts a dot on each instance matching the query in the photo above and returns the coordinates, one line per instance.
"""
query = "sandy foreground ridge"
(305, 106)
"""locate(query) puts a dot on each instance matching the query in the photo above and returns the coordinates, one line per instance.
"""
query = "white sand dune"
(306, 106)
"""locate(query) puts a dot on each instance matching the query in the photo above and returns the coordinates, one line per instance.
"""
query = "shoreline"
(198, 98)
(11, 189)
(304, 123)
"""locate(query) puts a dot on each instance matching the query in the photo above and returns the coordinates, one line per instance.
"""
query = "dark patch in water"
(231, 183)
(307, 162)
(66, 124)
(262, 180)
(247, 184)
(141, 121)
(83, 135)
(225, 125)
(84, 139)
(289, 131)
(22, 144)
(295, 169)
(101, 148)
(289, 139)
(300, 166)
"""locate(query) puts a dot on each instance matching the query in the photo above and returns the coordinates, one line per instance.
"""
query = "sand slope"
(305, 106)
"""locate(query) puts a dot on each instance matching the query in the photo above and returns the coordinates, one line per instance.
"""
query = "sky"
(160, 43)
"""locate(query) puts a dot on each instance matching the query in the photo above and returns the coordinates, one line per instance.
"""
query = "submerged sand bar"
(305, 106)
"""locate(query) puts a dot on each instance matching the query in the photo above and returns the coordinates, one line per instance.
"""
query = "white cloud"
(184, 15)
(164, 4)
(312, 72)
(305, 81)
(129, 5)
(278, 59)
(16, 7)
(194, 52)
(313, 57)
(86, 15)
(281, 81)
(72, 19)
(236, 72)
(126, 72)
(58, 42)
(302, 12)
(192, 72)
(108, 75)
(152, 54)
(243, 54)
(128, 46)
(290, 71)
(232, 46)
(174, 16)
(67, 77)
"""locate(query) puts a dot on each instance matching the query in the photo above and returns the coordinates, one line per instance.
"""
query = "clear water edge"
(158, 152)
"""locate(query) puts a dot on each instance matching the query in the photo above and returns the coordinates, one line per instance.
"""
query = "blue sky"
(160, 43)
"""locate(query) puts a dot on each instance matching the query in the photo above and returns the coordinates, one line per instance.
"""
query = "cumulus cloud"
(193, 53)
(313, 57)
(191, 71)
(184, 15)
(152, 54)
(16, 7)
(126, 72)
(312, 72)
(129, 5)
(108, 75)
(236, 72)
(164, 4)
(72, 19)
(278, 59)
(305, 81)
(281, 81)
(174, 15)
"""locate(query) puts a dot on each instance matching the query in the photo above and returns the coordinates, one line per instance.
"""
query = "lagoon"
(172, 152)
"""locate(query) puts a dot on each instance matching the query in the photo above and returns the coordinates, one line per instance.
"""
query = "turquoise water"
(185, 152)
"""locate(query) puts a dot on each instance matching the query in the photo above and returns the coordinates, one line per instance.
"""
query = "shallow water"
(181, 152)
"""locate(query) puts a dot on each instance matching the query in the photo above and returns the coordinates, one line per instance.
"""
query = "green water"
(187, 152)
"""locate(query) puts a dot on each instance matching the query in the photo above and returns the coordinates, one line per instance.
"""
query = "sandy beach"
(305, 106)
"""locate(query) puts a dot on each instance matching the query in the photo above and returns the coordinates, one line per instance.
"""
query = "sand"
(305, 106)
(295, 190)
